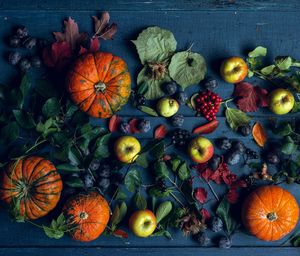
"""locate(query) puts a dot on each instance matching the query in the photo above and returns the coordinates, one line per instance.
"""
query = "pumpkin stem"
(100, 86)
(272, 216)
(83, 215)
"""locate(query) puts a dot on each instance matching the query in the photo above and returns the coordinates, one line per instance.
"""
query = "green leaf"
(142, 160)
(133, 180)
(68, 168)
(158, 150)
(140, 201)
(175, 162)
(296, 241)
(267, 70)
(54, 234)
(236, 118)
(51, 108)
(163, 210)
(162, 232)
(259, 51)
(9, 133)
(184, 172)
(157, 192)
(289, 146)
(161, 170)
(118, 214)
(25, 85)
(24, 119)
(283, 62)
(296, 107)
(74, 156)
(120, 195)
(187, 68)
(74, 182)
(155, 44)
(146, 78)
(148, 110)
(101, 149)
(284, 129)
(224, 213)
(45, 89)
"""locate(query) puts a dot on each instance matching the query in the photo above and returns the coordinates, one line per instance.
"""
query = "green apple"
(200, 149)
(127, 149)
(281, 101)
(167, 107)
(234, 70)
(142, 223)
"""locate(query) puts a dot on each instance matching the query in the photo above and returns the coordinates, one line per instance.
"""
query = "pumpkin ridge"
(35, 182)
(120, 74)
(96, 98)
(284, 204)
(80, 101)
(77, 73)
(116, 106)
(11, 179)
(92, 95)
(41, 193)
(109, 66)
(95, 66)
(108, 102)
(38, 206)
(47, 183)
(33, 169)
(29, 210)
(106, 55)
(262, 203)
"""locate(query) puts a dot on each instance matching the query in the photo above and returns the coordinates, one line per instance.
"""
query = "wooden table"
(218, 29)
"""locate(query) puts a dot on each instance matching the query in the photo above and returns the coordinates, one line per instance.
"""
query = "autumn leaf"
(94, 46)
(259, 134)
(206, 128)
(249, 98)
(120, 233)
(201, 195)
(133, 125)
(160, 132)
(114, 123)
(205, 215)
(102, 27)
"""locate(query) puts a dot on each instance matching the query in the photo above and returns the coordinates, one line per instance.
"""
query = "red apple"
(142, 223)
(234, 70)
(127, 149)
(200, 149)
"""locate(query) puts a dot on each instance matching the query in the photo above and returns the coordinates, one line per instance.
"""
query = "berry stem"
(177, 199)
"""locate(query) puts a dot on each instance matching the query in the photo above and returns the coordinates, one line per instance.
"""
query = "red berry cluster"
(208, 104)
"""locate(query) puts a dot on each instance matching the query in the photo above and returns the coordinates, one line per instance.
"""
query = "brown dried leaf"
(102, 27)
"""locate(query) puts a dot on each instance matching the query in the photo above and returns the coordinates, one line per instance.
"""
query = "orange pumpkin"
(87, 216)
(34, 183)
(270, 213)
(99, 83)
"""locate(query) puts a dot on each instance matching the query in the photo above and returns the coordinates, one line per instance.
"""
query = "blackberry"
(210, 83)
(232, 157)
(14, 41)
(245, 130)
(177, 120)
(181, 97)
(202, 239)
(225, 242)
(14, 58)
(103, 184)
(94, 165)
(216, 224)
(29, 42)
(88, 181)
(251, 181)
(124, 127)
(144, 125)
(251, 154)
(104, 171)
(180, 137)
(239, 147)
(22, 32)
(170, 88)
(140, 100)
(272, 158)
(36, 61)
(224, 143)
(214, 162)
(24, 65)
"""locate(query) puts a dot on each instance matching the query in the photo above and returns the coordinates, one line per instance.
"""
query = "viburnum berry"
(207, 104)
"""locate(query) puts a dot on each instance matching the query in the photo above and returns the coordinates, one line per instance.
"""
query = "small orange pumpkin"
(34, 183)
(99, 83)
(270, 213)
(87, 216)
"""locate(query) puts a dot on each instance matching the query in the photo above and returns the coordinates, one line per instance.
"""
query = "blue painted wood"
(231, 30)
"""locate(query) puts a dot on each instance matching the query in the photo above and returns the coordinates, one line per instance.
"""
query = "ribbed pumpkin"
(99, 83)
(270, 213)
(87, 216)
(34, 182)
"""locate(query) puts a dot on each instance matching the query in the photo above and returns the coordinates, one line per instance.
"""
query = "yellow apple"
(167, 107)
(142, 223)
(200, 149)
(127, 149)
(234, 70)
(281, 101)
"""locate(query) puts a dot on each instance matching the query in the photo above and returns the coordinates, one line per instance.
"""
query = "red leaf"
(232, 196)
(249, 97)
(160, 132)
(57, 55)
(229, 178)
(102, 27)
(95, 44)
(201, 195)
(120, 233)
(206, 174)
(133, 125)
(114, 123)
(205, 215)
(207, 128)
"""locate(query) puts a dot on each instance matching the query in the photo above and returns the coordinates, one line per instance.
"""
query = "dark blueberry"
(214, 162)
(88, 180)
(14, 41)
(94, 165)
(225, 242)
(180, 137)
(272, 158)
(232, 157)
(239, 147)
(24, 65)
(181, 97)
(104, 171)
(14, 58)
(140, 99)
(224, 143)
(22, 32)
(103, 184)
(251, 154)
(170, 88)
(210, 83)
(245, 130)
(42, 43)
(144, 125)
(36, 61)
(29, 42)
(124, 127)
(202, 239)
(177, 120)
(216, 224)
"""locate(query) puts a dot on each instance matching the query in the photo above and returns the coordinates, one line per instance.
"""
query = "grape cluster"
(208, 104)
